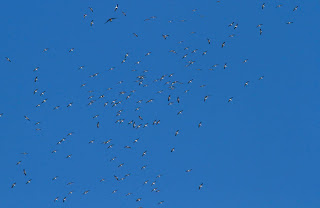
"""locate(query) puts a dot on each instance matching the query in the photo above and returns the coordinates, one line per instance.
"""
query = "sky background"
(260, 150)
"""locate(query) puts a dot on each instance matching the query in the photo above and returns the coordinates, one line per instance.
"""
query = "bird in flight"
(116, 7)
(165, 36)
(110, 20)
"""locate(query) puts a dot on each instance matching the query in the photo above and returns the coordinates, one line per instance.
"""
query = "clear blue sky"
(260, 150)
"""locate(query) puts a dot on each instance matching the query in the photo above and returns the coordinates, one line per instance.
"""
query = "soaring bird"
(86, 192)
(29, 181)
(13, 185)
(116, 7)
(230, 99)
(177, 132)
(189, 170)
(223, 44)
(200, 186)
(24, 172)
(8, 59)
(110, 20)
(144, 153)
(263, 6)
(180, 112)
(165, 36)
(200, 124)
(225, 66)
(294, 9)
(246, 84)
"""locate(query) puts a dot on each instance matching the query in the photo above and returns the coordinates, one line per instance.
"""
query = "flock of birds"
(122, 97)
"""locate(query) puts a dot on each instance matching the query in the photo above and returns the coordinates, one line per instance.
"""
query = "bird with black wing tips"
(13, 185)
(200, 186)
(230, 99)
(116, 7)
(295, 9)
(246, 84)
(177, 132)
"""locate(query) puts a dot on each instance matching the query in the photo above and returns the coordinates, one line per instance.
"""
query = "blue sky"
(260, 150)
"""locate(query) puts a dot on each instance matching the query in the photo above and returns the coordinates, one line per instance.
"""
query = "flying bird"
(110, 20)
